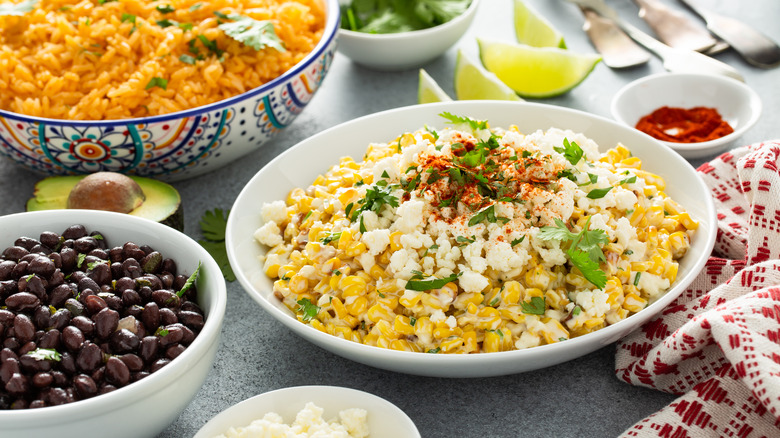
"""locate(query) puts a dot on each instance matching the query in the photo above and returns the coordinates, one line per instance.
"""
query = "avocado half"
(162, 202)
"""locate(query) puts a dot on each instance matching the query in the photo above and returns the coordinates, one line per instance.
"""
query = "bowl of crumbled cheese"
(470, 239)
(308, 411)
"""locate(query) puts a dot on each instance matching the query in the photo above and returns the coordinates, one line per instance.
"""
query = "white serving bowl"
(405, 50)
(298, 167)
(385, 420)
(144, 408)
(737, 103)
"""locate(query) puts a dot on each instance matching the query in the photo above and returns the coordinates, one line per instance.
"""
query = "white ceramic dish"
(737, 103)
(401, 51)
(298, 167)
(385, 420)
(145, 408)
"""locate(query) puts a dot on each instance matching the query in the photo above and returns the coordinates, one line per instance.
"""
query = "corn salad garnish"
(472, 239)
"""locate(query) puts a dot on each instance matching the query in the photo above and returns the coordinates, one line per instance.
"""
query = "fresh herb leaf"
(45, 354)
(458, 120)
(157, 82)
(93, 265)
(598, 193)
(17, 9)
(636, 278)
(590, 269)
(187, 59)
(211, 45)
(583, 249)
(571, 151)
(190, 281)
(372, 16)
(434, 350)
(576, 311)
(628, 252)
(534, 307)
(196, 6)
(166, 9)
(629, 180)
(516, 241)
(80, 259)
(166, 23)
(308, 309)
(423, 285)
(253, 33)
(330, 237)
(212, 226)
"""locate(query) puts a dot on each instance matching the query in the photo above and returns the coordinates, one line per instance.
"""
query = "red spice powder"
(680, 125)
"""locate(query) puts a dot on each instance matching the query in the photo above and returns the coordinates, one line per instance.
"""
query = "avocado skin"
(162, 204)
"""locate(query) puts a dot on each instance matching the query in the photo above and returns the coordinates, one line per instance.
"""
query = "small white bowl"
(737, 103)
(144, 408)
(405, 50)
(385, 420)
(301, 164)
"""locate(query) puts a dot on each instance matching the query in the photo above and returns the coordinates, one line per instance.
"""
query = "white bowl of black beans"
(109, 324)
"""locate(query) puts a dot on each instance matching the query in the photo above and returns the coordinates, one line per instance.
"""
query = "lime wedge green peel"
(473, 82)
(534, 30)
(536, 72)
(429, 91)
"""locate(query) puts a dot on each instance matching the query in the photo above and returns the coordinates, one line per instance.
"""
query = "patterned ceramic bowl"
(172, 146)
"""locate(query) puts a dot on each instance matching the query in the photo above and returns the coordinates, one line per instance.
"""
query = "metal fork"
(674, 60)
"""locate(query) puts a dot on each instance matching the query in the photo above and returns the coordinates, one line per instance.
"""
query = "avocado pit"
(106, 191)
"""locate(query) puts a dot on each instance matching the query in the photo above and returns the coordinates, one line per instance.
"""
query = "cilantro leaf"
(157, 82)
(190, 281)
(166, 9)
(423, 285)
(571, 151)
(458, 120)
(590, 269)
(45, 354)
(17, 9)
(583, 249)
(598, 193)
(253, 33)
(630, 180)
(535, 307)
(187, 59)
(212, 225)
(308, 309)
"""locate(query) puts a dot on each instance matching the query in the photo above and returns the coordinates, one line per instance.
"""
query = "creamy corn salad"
(472, 239)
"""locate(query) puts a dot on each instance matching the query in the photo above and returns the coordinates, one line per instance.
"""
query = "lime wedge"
(473, 82)
(533, 71)
(429, 91)
(534, 30)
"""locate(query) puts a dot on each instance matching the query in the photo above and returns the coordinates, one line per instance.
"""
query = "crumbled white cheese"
(275, 211)
(269, 234)
(351, 423)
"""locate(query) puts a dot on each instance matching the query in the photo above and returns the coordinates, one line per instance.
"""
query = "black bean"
(68, 365)
(61, 318)
(131, 268)
(8, 287)
(75, 307)
(26, 242)
(17, 385)
(123, 341)
(169, 265)
(101, 273)
(59, 294)
(50, 340)
(6, 267)
(11, 343)
(172, 334)
(112, 301)
(15, 253)
(167, 280)
(35, 285)
(117, 372)
(134, 362)
(115, 254)
(173, 351)
(69, 258)
(7, 317)
(148, 349)
(99, 253)
(22, 301)
(168, 316)
(94, 304)
(5, 353)
(191, 319)
(179, 281)
(152, 262)
(24, 329)
(88, 283)
(124, 283)
(151, 316)
(34, 365)
(139, 375)
(86, 325)
(166, 298)
(19, 270)
(26, 348)
(42, 379)
(106, 388)
(57, 278)
(106, 322)
(72, 338)
(50, 239)
(75, 232)
(85, 386)
(55, 396)
(89, 357)
(146, 293)
(8, 368)
(150, 280)
(42, 316)
(131, 298)
(41, 265)
(132, 251)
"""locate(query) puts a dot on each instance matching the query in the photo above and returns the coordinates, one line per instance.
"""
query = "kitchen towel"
(718, 344)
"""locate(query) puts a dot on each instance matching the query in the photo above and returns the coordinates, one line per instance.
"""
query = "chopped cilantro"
(308, 309)
(534, 307)
(571, 151)
(253, 33)
(583, 249)
(212, 226)
(157, 82)
(166, 9)
(598, 193)
(423, 285)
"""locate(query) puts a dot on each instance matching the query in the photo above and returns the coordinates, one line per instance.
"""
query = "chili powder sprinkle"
(680, 125)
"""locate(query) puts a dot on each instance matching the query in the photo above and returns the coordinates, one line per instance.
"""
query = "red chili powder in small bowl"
(681, 125)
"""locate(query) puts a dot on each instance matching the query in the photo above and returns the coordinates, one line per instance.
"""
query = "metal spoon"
(673, 27)
(751, 44)
(674, 60)
(616, 48)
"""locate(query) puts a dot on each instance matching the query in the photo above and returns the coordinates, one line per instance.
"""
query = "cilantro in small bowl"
(393, 16)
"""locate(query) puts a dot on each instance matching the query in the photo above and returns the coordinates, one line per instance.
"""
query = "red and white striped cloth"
(718, 344)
